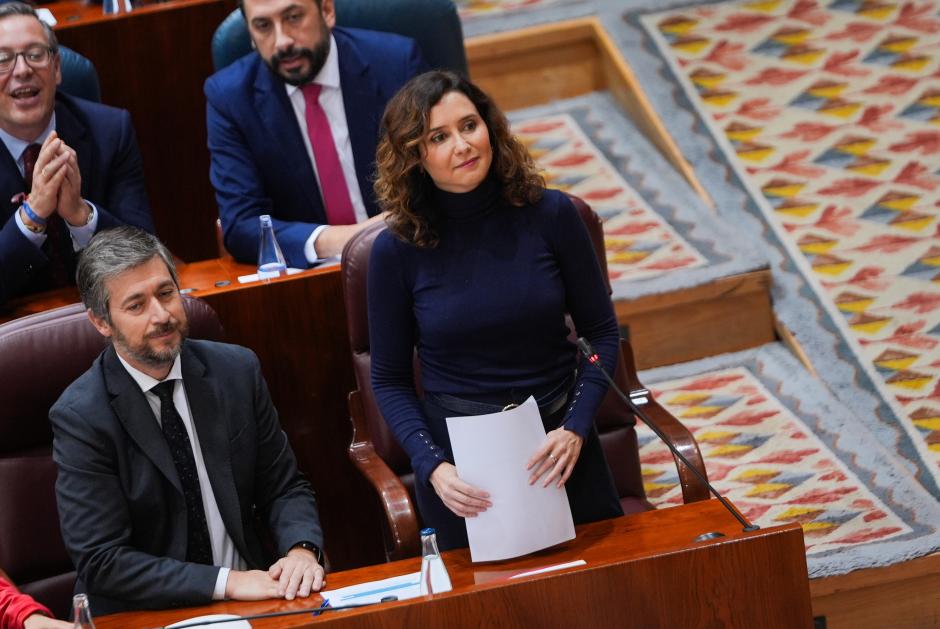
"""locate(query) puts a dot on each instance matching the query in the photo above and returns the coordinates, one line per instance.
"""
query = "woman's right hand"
(463, 499)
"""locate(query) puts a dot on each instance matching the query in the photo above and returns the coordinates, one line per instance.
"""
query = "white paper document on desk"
(491, 452)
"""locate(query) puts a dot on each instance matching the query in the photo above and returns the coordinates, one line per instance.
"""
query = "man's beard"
(315, 57)
(146, 354)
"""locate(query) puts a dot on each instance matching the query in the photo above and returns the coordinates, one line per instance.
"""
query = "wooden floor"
(568, 59)
(902, 596)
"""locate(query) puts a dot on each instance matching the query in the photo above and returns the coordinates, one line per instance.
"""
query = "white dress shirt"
(224, 553)
(81, 234)
(331, 100)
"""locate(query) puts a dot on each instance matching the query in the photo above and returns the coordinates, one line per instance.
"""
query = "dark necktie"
(198, 546)
(58, 240)
(30, 155)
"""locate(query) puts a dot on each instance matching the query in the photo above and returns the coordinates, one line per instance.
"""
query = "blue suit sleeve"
(18, 256)
(239, 191)
(392, 335)
(591, 310)
(416, 62)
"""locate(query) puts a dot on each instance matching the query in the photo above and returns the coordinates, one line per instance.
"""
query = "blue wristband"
(32, 215)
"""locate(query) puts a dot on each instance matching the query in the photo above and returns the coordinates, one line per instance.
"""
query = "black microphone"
(594, 359)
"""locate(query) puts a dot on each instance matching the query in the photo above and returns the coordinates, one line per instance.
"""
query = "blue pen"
(324, 605)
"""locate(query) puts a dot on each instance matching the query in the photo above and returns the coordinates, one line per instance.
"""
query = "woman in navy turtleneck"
(477, 270)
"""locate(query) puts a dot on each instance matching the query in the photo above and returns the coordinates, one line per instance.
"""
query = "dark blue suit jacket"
(112, 178)
(120, 500)
(259, 163)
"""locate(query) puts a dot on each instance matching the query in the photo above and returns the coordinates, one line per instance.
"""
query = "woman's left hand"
(558, 453)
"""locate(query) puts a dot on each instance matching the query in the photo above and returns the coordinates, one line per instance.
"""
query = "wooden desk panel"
(642, 570)
(153, 62)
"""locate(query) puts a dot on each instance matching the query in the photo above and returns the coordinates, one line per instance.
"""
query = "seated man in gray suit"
(168, 448)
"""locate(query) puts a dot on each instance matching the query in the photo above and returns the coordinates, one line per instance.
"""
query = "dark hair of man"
(10, 9)
(110, 253)
(404, 188)
(241, 5)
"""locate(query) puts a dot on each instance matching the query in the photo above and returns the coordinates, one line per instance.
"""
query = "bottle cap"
(427, 531)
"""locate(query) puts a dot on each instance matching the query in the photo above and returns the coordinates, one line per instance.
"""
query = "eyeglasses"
(35, 57)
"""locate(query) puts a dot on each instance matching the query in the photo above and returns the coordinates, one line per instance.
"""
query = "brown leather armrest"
(399, 511)
(692, 488)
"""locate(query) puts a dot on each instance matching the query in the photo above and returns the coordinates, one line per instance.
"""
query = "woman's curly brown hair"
(404, 189)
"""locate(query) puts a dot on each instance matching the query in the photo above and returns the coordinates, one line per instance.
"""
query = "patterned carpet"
(771, 446)
(828, 112)
(659, 235)
(640, 243)
(786, 173)
(469, 9)
(783, 449)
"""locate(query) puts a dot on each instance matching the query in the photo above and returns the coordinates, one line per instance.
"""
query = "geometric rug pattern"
(830, 114)
(783, 449)
(640, 244)
(765, 460)
(469, 9)
(660, 236)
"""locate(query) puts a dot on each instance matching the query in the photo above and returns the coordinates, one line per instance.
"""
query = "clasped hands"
(295, 574)
(557, 455)
(57, 184)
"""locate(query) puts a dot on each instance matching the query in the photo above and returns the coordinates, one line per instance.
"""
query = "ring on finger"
(552, 457)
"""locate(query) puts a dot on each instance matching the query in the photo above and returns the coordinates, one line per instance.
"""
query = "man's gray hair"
(9, 9)
(110, 253)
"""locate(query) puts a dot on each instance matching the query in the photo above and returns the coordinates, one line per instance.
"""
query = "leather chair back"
(354, 271)
(434, 24)
(79, 77)
(40, 356)
(614, 423)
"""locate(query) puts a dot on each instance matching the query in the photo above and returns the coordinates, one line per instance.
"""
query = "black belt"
(549, 403)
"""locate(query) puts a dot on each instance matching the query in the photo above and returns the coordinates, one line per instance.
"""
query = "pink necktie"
(339, 209)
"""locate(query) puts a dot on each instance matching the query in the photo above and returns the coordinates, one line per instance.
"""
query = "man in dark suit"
(168, 451)
(68, 167)
(293, 127)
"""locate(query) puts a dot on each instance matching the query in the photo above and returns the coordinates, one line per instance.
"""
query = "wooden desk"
(642, 570)
(297, 327)
(153, 62)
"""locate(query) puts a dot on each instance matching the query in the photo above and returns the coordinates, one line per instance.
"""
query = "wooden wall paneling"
(153, 62)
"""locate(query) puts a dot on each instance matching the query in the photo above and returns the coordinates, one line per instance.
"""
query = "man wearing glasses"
(68, 167)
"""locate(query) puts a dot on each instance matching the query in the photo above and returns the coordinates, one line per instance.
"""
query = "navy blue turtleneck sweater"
(486, 310)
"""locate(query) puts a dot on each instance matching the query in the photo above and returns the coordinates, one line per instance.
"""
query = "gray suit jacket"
(121, 507)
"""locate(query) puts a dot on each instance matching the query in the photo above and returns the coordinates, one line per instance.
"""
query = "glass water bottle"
(434, 577)
(271, 262)
(111, 7)
(81, 612)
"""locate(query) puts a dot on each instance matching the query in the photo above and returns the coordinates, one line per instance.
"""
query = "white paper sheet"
(194, 622)
(491, 452)
(404, 587)
(245, 279)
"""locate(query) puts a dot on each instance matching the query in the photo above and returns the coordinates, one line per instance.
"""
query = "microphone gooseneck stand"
(594, 359)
